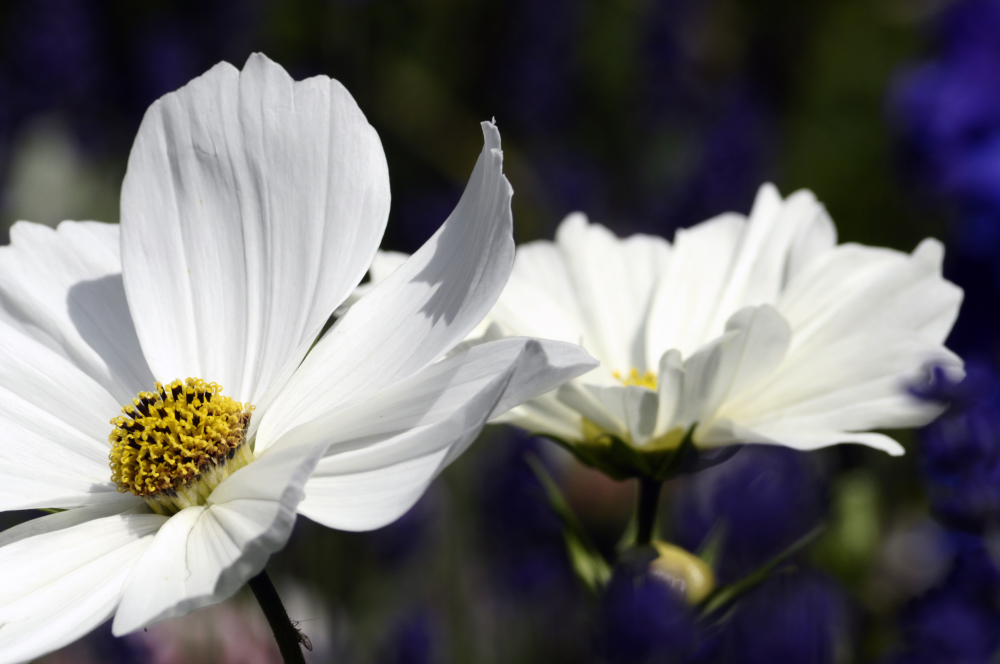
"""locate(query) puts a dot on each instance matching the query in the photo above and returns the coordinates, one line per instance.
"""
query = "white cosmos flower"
(749, 330)
(251, 208)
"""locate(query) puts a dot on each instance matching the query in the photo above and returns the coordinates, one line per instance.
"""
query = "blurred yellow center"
(647, 379)
(173, 446)
(686, 572)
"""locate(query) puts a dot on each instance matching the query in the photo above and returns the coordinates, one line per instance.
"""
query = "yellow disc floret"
(170, 438)
(647, 379)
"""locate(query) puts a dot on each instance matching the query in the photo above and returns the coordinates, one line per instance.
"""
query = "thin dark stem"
(648, 503)
(285, 633)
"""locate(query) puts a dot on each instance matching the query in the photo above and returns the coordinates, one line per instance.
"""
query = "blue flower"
(537, 74)
(522, 533)
(759, 503)
(960, 452)
(799, 616)
(950, 108)
(643, 620)
(958, 621)
(399, 542)
(412, 640)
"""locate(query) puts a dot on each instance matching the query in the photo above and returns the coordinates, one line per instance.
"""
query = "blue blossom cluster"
(959, 620)
(757, 505)
(749, 510)
(697, 143)
(99, 70)
(948, 110)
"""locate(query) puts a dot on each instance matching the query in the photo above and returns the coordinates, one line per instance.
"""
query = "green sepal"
(621, 461)
(588, 563)
(728, 594)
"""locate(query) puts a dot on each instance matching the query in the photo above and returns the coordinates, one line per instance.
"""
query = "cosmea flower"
(743, 330)
(251, 208)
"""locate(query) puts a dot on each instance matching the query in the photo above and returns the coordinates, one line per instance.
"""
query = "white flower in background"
(252, 207)
(744, 330)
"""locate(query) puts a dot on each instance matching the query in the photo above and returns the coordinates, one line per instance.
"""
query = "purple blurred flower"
(949, 108)
(402, 539)
(802, 617)
(164, 60)
(958, 621)
(414, 639)
(418, 215)
(54, 53)
(760, 502)
(644, 621)
(960, 452)
(522, 534)
(537, 72)
(734, 156)
(572, 181)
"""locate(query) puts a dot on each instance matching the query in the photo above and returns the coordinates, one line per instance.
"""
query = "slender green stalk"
(646, 510)
(285, 633)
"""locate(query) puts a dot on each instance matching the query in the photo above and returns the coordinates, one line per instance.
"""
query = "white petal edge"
(613, 280)
(252, 206)
(63, 287)
(203, 555)
(418, 313)
(57, 586)
(386, 450)
(53, 428)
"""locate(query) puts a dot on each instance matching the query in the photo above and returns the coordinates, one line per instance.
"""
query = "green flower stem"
(646, 510)
(285, 633)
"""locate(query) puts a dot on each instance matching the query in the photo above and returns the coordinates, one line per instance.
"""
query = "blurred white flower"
(744, 330)
(252, 207)
(50, 178)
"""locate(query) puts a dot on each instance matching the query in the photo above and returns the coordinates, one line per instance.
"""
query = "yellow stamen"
(647, 379)
(174, 445)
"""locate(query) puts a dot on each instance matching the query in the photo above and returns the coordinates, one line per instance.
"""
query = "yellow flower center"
(175, 445)
(647, 379)
(594, 434)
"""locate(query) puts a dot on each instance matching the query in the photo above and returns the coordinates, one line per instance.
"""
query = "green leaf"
(590, 566)
(728, 594)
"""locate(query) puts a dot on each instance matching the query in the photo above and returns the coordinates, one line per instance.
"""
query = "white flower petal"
(203, 555)
(586, 400)
(806, 439)
(684, 303)
(855, 290)
(371, 484)
(532, 367)
(387, 448)
(59, 585)
(384, 264)
(64, 289)
(670, 384)
(419, 313)
(613, 280)
(634, 406)
(369, 499)
(766, 253)
(762, 327)
(545, 415)
(538, 300)
(755, 342)
(251, 208)
(72, 517)
(855, 384)
(54, 426)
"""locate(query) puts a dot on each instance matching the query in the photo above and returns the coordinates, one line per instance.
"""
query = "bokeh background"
(648, 115)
